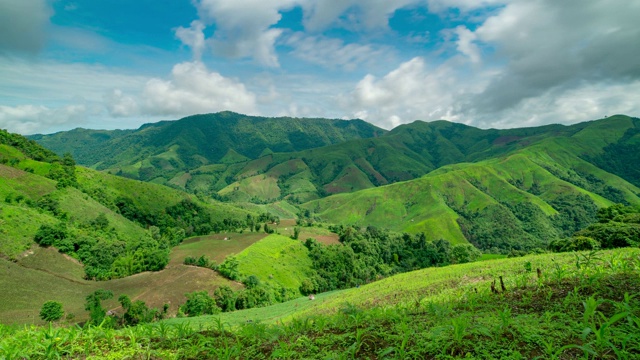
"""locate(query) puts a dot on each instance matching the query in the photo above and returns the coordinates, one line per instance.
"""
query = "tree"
(229, 268)
(101, 222)
(464, 253)
(51, 311)
(296, 233)
(199, 303)
(225, 298)
(48, 235)
(251, 281)
(94, 305)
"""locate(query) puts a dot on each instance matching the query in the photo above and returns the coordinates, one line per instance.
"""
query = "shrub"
(199, 303)
(464, 253)
(51, 311)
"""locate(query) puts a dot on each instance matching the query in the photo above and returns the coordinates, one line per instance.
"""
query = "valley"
(199, 224)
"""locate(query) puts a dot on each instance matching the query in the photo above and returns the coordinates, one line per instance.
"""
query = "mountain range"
(498, 189)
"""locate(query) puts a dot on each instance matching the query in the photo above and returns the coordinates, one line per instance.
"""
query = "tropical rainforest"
(208, 231)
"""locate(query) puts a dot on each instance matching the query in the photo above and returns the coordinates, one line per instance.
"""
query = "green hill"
(115, 226)
(518, 200)
(163, 149)
(262, 160)
(557, 306)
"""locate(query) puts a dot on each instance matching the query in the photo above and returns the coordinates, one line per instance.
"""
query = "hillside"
(551, 306)
(300, 169)
(164, 151)
(115, 226)
(521, 199)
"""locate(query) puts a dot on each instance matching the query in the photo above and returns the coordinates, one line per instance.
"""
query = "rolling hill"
(263, 160)
(115, 226)
(522, 198)
(164, 151)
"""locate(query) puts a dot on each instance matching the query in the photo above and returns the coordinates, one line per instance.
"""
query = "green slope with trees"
(520, 200)
(115, 226)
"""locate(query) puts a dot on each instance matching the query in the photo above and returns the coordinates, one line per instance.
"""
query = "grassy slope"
(444, 313)
(214, 246)
(431, 285)
(423, 205)
(28, 288)
(37, 275)
(276, 259)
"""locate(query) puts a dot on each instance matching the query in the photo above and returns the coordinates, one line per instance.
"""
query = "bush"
(51, 311)
(464, 253)
(577, 243)
(48, 235)
(199, 303)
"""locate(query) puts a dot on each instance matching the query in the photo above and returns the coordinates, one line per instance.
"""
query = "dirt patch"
(9, 172)
(332, 239)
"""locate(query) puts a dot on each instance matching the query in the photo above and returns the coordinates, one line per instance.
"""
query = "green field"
(580, 305)
(215, 247)
(276, 260)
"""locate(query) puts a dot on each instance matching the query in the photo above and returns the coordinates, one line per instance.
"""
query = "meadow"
(550, 306)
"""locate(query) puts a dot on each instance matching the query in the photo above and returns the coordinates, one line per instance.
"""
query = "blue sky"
(488, 63)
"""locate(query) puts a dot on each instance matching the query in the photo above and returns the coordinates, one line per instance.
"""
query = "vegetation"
(386, 245)
(572, 309)
(51, 311)
(82, 215)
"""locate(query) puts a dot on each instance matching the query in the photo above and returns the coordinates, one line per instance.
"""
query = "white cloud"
(120, 105)
(466, 45)
(413, 91)
(334, 53)
(243, 28)
(29, 119)
(193, 37)
(194, 89)
(23, 25)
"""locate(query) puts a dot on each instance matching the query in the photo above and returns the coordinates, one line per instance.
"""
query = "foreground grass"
(582, 305)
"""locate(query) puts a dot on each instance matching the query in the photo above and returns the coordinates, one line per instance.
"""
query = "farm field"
(577, 304)
(47, 275)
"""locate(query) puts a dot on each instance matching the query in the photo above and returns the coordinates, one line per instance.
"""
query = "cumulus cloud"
(465, 43)
(23, 25)
(547, 62)
(243, 28)
(247, 29)
(193, 89)
(29, 119)
(121, 105)
(415, 90)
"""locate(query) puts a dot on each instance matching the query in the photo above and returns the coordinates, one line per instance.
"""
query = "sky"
(107, 64)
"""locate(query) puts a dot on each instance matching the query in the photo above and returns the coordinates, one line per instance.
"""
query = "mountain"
(157, 152)
(541, 188)
(499, 189)
(261, 160)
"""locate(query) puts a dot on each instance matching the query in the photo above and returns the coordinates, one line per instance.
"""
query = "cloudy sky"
(488, 63)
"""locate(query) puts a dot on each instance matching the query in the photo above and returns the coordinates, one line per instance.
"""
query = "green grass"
(584, 305)
(486, 257)
(430, 204)
(269, 314)
(276, 259)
